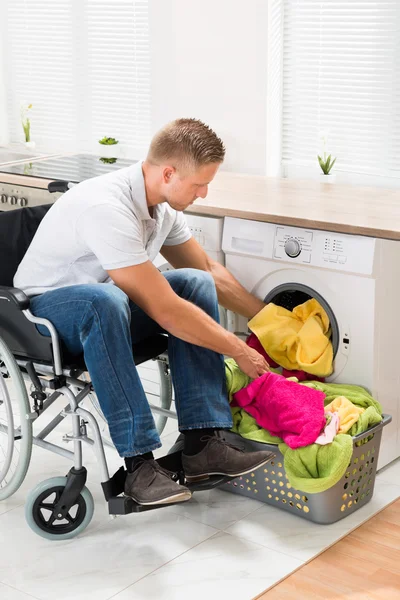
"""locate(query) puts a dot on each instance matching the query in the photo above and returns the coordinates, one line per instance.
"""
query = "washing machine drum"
(290, 295)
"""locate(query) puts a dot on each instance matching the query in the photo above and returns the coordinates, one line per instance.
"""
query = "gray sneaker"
(151, 484)
(220, 458)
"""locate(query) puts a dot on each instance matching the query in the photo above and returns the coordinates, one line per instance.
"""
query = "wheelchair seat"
(17, 229)
(143, 351)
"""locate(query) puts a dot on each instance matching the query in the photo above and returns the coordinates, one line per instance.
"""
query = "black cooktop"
(74, 168)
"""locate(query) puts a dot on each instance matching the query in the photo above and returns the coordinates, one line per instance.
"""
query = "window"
(341, 74)
(85, 67)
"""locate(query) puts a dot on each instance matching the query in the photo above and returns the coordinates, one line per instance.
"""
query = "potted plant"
(26, 125)
(326, 163)
(107, 147)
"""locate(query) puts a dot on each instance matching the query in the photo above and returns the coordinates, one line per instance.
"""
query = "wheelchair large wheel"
(15, 427)
(41, 502)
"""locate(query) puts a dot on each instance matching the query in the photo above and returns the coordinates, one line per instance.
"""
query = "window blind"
(341, 72)
(85, 67)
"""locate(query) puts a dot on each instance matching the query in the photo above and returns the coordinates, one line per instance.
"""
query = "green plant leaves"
(108, 141)
(333, 162)
(326, 165)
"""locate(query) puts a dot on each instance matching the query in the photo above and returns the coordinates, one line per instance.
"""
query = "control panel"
(334, 250)
(197, 233)
(293, 244)
(207, 231)
(17, 196)
(342, 252)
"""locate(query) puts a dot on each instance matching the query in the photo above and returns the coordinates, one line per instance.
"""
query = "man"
(108, 230)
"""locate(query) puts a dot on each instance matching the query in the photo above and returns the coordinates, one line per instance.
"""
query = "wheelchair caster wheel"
(41, 502)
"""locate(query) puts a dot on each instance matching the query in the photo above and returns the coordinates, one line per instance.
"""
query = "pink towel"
(285, 408)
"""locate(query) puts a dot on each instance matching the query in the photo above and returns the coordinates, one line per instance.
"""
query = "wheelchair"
(35, 371)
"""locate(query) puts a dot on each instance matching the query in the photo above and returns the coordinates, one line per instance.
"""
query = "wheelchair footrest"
(114, 486)
(123, 505)
(119, 504)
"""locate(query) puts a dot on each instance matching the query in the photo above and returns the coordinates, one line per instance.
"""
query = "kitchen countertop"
(368, 211)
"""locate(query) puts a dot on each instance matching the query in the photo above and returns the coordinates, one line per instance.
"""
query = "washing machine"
(357, 281)
(208, 232)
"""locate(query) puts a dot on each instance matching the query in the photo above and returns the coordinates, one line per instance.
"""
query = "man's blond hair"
(186, 144)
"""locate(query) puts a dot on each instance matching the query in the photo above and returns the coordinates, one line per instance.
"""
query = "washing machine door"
(294, 288)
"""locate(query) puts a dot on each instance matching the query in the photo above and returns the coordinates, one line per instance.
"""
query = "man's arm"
(231, 294)
(151, 291)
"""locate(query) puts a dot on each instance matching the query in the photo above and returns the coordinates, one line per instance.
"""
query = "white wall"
(209, 61)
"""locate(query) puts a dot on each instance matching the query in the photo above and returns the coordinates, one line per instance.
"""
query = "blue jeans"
(100, 321)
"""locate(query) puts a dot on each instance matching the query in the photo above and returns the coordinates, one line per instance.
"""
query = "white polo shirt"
(100, 224)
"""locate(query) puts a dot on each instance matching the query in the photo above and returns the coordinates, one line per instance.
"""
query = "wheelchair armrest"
(14, 295)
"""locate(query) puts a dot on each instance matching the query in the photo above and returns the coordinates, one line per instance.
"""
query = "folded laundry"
(347, 411)
(284, 408)
(297, 340)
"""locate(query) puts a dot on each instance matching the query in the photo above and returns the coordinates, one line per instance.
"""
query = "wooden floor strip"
(365, 565)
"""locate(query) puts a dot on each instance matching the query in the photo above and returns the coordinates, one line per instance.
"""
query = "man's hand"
(251, 362)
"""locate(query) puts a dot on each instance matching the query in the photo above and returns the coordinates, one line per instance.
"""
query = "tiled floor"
(217, 545)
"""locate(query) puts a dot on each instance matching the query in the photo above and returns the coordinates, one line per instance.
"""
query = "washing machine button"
(292, 247)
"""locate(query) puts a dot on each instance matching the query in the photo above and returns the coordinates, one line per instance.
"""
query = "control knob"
(22, 201)
(12, 200)
(292, 247)
(3, 199)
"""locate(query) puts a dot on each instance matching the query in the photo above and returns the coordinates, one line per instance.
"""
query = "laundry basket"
(270, 484)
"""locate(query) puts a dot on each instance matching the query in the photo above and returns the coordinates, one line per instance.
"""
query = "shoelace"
(155, 467)
(207, 438)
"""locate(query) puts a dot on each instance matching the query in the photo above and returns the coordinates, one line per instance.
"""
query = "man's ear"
(168, 173)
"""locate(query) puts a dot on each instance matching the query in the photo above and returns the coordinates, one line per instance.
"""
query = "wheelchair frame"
(66, 382)
(46, 372)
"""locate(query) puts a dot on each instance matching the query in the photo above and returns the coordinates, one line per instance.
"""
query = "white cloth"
(330, 431)
(98, 225)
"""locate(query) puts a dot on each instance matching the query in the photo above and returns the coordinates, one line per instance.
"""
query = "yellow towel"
(298, 339)
(348, 412)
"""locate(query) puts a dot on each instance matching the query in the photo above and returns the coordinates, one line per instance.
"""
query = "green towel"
(367, 419)
(246, 426)
(235, 378)
(314, 469)
(355, 393)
